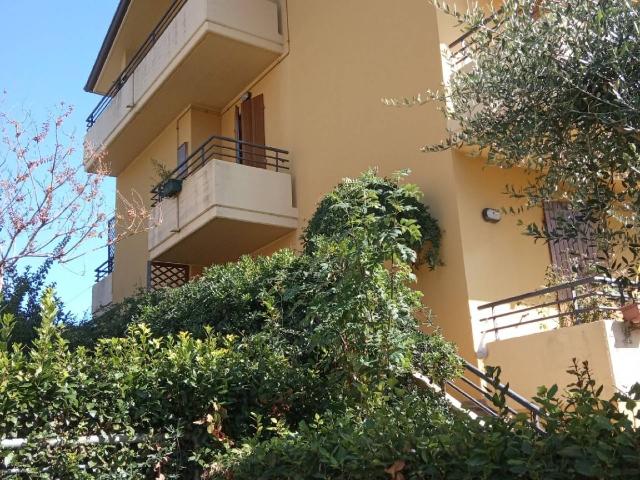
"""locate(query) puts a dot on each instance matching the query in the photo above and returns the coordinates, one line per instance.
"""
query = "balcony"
(535, 336)
(102, 291)
(227, 199)
(456, 58)
(571, 303)
(202, 52)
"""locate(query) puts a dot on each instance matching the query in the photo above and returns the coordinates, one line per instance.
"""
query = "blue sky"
(47, 49)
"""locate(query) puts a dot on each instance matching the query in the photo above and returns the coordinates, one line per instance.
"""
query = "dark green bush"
(380, 205)
(587, 437)
(377, 214)
(176, 389)
(272, 343)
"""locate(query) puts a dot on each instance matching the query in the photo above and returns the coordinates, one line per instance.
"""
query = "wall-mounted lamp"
(491, 215)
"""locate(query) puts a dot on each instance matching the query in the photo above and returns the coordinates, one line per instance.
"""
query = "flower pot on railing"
(631, 313)
(170, 188)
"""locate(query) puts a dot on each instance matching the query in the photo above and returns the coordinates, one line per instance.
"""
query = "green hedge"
(587, 437)
(271, 344)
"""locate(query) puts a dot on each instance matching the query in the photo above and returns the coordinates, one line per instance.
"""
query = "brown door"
(250, 129)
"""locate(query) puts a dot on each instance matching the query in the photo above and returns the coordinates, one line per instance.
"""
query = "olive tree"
(553, 89)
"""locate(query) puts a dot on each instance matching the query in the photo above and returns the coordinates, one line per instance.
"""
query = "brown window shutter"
(559, 249)
(246, 131)
(564, 251)
(250, 129)
(257, 117)
(183, 153)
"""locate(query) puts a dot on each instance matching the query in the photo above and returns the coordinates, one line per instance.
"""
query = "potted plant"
(631, 313)
(168, 186)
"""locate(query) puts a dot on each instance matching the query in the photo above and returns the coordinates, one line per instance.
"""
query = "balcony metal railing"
(459, 48)
(569, 303)
(217, 147)
(137, 58)
(104, 270)
(107, 267)
(476, 380)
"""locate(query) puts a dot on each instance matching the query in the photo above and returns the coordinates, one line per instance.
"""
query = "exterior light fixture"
(491, 215)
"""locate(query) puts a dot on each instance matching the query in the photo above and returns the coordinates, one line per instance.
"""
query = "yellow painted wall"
(322, 102)
(499, 260)
(204, 123)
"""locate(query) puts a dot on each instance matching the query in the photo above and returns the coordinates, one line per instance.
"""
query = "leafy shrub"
(287, 367)
(113, 322)
(272, 343)
(370, 214)
(378, 205)
(229, 297)
(176, 390)
(587, 437)
(353, 444)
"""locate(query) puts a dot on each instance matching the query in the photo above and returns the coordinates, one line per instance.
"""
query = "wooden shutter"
(246, 120)
(251, 130)
(559, 249)
(257, 118)
(567, 252)
(238, 134)
(183, 151)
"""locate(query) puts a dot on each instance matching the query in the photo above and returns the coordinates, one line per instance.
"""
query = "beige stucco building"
(263, 106)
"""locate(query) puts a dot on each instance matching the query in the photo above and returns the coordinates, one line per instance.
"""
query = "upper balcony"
(455, 48)
(202, 52)
(227, 199)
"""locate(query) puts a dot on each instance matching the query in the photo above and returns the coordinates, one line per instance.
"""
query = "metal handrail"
(459, 53)
(534, 411)
(59, 442)
(135, 61)
(470, 32)
(216, 146)
(102, 439)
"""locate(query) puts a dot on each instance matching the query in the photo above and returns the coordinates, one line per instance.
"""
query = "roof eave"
(110, 37)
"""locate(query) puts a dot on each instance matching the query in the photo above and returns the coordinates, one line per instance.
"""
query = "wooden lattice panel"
(171, 275)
